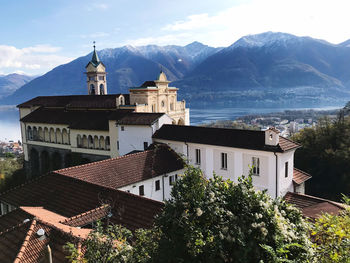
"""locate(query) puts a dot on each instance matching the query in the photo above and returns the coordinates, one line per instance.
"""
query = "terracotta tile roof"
(76, 101)
(286, 144)
(246, 139)
(13, 218)
(311, 206)
(69, 197)
(300, 176)
(21, 244)
(127, 169)
(88, 217)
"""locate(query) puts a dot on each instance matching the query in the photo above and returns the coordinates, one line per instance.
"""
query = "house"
(232, 153)
(150, 173)
(97, 126)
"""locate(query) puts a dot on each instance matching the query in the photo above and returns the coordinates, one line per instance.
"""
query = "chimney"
(272, 136)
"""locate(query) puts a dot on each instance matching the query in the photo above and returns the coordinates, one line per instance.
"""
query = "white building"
(232, 153)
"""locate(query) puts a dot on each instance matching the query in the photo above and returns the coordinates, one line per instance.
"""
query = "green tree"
(325, 154)
(220, 221)
(208, 221)
(331, 236)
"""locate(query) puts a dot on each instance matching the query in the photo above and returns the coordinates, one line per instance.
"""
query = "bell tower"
(96, 75)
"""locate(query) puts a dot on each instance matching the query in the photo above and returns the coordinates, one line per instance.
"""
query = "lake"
(10, 128)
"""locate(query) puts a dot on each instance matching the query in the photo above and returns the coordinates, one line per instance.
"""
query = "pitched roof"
(76, 101)
(88, 217)
(300, 176)
(69, 197)
(312, 206)
(90, 119)
(127, 169)
(139, 118)
(149, 83)
(246, 139)
(21, 243)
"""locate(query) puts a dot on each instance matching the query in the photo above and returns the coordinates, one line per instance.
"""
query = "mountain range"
(10, 83)
(268, 69)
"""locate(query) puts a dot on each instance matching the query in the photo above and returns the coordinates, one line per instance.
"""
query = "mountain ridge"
(272, 68)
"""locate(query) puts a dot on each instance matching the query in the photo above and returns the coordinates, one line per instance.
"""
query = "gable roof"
(69, 197)
(90, 119)
(20, 242)
(300, 176)
(246, 139)
(312, 206)
(76, 101)
(127, 169)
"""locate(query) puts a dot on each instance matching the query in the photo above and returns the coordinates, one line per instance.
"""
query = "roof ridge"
(25, 242)
(98, 162)
(320, 199)
(290, 140)
(41, 221)
(13, 227)
(301, 171)
(83, 214)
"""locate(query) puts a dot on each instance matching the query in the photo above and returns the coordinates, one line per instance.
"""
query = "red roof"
(21, 243)
(300, 176)
(69, 197)
(127, 169)
(312, 206)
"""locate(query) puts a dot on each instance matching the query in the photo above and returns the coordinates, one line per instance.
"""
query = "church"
(61, 131)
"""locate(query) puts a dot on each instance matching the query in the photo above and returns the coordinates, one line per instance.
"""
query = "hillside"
(264, 70)
(10, 83)
(126, 67)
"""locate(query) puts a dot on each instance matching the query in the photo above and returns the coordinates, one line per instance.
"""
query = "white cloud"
(30, 60)
(317, 18)
(172, 39)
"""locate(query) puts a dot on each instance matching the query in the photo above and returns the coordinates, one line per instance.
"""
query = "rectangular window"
(101, 77)
(224, 161)
(157, 185)
(171, 179)
(122, 128)
(118, 145)
(286, 169)
(198, 156)
(256, 165)
(141, 190)
(145, 145)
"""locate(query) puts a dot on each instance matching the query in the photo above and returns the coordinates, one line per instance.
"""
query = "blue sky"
(39, 35)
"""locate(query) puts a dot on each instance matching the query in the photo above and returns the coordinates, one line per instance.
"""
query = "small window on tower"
(101, 78)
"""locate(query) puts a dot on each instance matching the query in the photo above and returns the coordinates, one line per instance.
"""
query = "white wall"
(150, 186)
(239, 162)
(134, 136)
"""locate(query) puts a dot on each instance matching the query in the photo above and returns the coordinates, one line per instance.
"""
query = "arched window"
(96, 143)
(35, 134)
(58, 136)
(181, 122)
(65, 136)
(102, 89)
(92, 89)
(102, 143)
(29, 133)
(90, 142)
(121, 100)
(85, 142)
(79, 141)
(40, 134)
(52, 136)
(46, 135)
(108, 143)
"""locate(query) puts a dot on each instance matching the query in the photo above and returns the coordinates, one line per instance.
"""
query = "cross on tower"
(94, 45)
